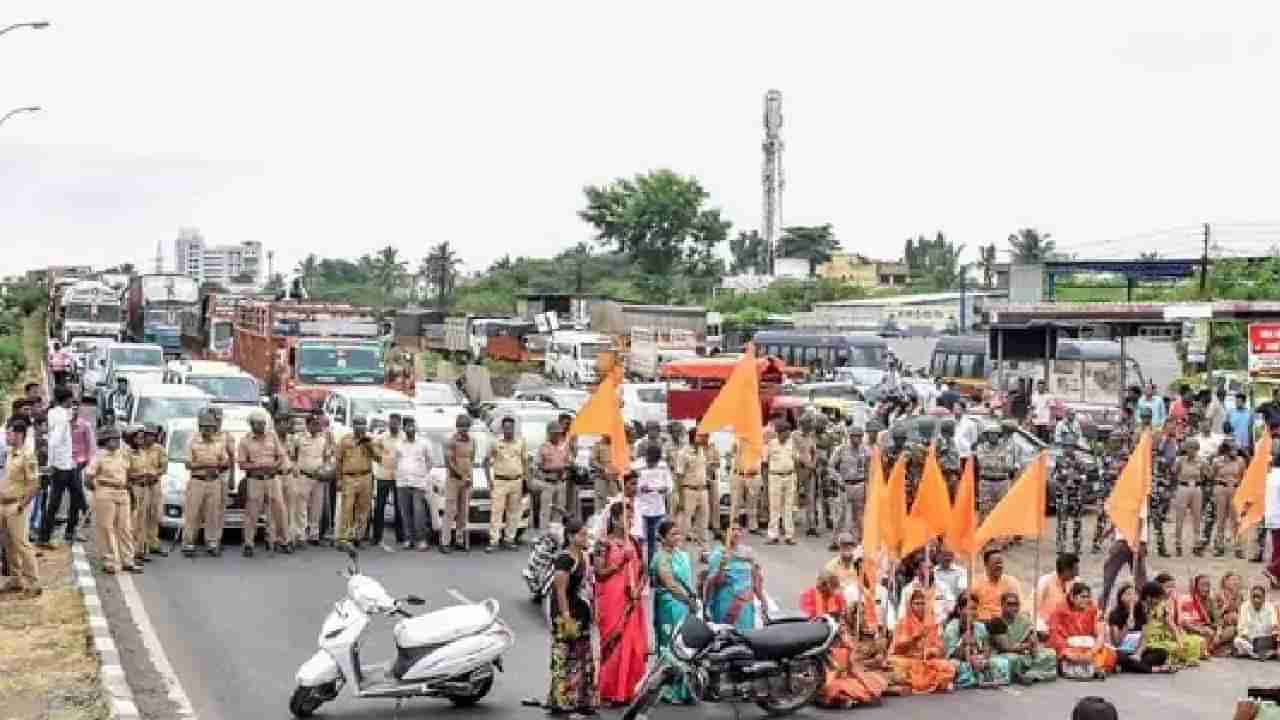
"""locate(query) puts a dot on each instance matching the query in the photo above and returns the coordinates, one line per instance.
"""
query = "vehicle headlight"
(679, 649)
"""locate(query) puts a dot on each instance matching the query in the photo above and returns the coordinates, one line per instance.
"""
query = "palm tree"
(987, 261)
(441, 266)
(581, 254)
(308, 270)
(1029, 246)
(386, 268)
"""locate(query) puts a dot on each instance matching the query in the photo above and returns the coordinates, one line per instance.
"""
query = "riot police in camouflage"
(829, 489)
(995, 467)
(1113, 460)
(949, 455)
(1069, 477)
(1163, 453)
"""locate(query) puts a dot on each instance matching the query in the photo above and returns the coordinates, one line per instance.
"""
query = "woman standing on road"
(674, 598)
(573, 665)
(734, 581)
(620, 586)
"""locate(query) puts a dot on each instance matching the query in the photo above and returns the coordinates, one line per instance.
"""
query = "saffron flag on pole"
(1129, 496)
(1249, 501)
(931, 511)
(961, 537)
(602, 415)
(871, 517)
(893, 505)
(1021, 511)
(737, 405)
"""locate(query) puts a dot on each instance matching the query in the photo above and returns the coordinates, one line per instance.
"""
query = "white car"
(644, 402)
(375, 404)
(224, 382)
(478, 513)
(159, 403)
(82, 350)
(490, 409)
(570, 399)
(443, 399)
(120, 355)
(176, 439)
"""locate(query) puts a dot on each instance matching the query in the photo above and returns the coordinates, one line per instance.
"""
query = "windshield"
(371, 407)
(158, 409)
(140, 356)
(234, 389)
(866, 356)
(179, 441)
(94, 313)
(590, 351)
(335, 363)
(436, 395)
(158, 317)
(169, 288)
(652, 395)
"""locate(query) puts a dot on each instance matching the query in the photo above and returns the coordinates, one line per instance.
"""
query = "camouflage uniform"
(949, 456)
(995, 467)
(806, 448)
(1113, 460)
(1069, 476)
(1161, 491)
(829, 490)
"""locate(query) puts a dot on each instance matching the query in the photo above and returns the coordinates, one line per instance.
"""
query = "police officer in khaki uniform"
(780, 459)
(695, 468)
(312, 453)
(507, 466)
(356, 455)
(108, 479)
(851, 464)
(229, 443)
(459, 459)
(805, 443)
(746, 485)
(17, 489)
(146, 464)
(261, 460)
(1190, 475)
(207, 461)
(603, 474)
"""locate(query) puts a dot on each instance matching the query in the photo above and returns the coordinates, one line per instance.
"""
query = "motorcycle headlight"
(679, 649)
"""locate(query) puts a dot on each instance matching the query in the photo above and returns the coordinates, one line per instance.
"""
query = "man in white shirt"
(60, 460)
(946, 573)
(943, 600)
(966, 431)
(653, 482)
(412, 462)
(1041, 412)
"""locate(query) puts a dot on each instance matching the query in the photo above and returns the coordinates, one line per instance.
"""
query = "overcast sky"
(338, 128)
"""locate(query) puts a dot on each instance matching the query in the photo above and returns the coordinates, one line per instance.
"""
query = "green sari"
(1157, 634)
(1040, 667)
(669, 611)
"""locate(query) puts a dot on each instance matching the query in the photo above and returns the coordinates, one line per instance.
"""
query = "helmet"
(820, 421)
(208, 419)
(874, 426)
(553, 427)
(782, 426)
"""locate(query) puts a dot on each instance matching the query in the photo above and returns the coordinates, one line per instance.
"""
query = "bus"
(863, 352)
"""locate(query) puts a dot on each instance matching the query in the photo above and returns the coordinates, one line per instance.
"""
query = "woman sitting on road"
(1228, 600)
(1161, 632)
(1199, 616)
(917, 659)
(1014, 637)
(969, 647)
(848, 681)
(1125, 626)
(1258, 635)
(1079, 639)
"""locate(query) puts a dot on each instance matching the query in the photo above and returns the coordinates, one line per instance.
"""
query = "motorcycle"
(780, 667)
(450, 653)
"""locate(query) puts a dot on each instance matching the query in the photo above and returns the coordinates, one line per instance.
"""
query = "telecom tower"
(159, 258)
(771, 177)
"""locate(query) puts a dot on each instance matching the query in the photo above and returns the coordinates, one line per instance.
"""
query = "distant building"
(791, 268)
(54, 273)
(863, 272)
(919, 314)
(226, 265)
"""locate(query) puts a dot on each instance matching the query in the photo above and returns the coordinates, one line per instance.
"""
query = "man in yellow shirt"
(989, 588)
(18, 488)
(780, 463)
(146, 465)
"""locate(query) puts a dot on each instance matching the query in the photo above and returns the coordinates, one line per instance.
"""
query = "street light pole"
(37, 25)
(15, 111)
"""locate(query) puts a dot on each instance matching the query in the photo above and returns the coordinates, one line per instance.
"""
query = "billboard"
(1264, 347)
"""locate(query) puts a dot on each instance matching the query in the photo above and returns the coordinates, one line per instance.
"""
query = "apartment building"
(227, 265)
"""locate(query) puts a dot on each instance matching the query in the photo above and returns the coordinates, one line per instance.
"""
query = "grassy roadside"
(47, 668)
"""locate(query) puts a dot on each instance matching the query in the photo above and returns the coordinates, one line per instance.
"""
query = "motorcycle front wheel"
(647, 697)
(803, 680)
(305, 701)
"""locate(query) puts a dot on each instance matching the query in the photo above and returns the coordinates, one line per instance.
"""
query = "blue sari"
(732, 589)
(669, 611)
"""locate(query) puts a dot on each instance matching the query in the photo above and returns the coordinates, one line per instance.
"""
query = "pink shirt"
(83, 441)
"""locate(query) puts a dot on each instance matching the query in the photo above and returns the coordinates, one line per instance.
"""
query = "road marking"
(456, 595)
(154, 649)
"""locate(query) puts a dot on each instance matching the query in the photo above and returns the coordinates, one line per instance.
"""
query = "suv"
(224, 382)
(373, 403)
(159, 402)
(176, 441)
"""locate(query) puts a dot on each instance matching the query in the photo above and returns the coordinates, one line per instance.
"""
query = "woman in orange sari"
(848, 682)
(917, 659)
(621, 579)
(1078, 638)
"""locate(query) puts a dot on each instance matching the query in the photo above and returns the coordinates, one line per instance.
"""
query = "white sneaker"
(387, 548)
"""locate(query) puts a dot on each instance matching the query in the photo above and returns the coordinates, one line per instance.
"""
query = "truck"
(466, 337)
(618, 319)
(301, 352)
(209, 333)
(156, 307)
(90, 309)
(651, 347)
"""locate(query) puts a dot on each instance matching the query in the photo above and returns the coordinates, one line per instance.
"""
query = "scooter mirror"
(415, 600)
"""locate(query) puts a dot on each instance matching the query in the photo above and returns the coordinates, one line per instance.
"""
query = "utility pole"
(771, 177)
(963, 310)
(1204, 262)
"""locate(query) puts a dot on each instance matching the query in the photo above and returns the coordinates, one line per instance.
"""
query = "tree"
(308, 270)
(813, 243)
(1029, 246)
(750, 253)
(441, 269)
(987, 261)
(934, 264)
(653, 218)
(386, 268)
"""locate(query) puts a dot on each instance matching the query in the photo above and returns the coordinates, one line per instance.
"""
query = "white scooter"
(450, 653)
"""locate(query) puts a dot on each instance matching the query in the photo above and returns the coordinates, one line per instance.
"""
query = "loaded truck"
(157, 304)
(651, 347)
(89, 309)
(300, 351)
(209, 333)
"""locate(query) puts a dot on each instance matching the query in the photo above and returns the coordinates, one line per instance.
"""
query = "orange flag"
(960, 537)
(1249, 502)
(602, 415)
(871, 517)
(737, 405)
(1021, 511)
(1129, 496)
(893, 505)
(933, 502)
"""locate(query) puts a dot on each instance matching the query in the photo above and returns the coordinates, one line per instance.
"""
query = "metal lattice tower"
(771, 177)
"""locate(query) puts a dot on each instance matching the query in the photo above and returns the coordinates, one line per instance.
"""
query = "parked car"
(570, 399)
(374, 404)
(478, 513)
(644, 402)
(443, 399)
(490, 409)
(159, 403)
(176, 440)
(224, 382)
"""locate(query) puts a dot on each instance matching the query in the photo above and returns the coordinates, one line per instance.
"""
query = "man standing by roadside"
(354, 467)
(62, 463)
(412, 463)
(459, 459)
(1154, 403)
(146, 465)
(262, 459)
(311, 452)
(695, 466)
(384, 472)
(84, 443)
(850, 465)
(207, 460)
(1041, 414)
(553, 464)
(1241, 421)
(59, 364)
(18, 488)
(780, 466)
(507, 466)
(108, 479)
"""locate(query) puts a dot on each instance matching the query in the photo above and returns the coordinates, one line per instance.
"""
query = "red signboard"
(1264, 347)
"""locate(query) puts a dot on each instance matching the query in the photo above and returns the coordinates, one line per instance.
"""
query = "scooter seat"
(776, 642)
(445, 625)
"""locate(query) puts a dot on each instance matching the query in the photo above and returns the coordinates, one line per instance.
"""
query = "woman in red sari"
(1079, 639)
(848, 682)
(621, 581)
